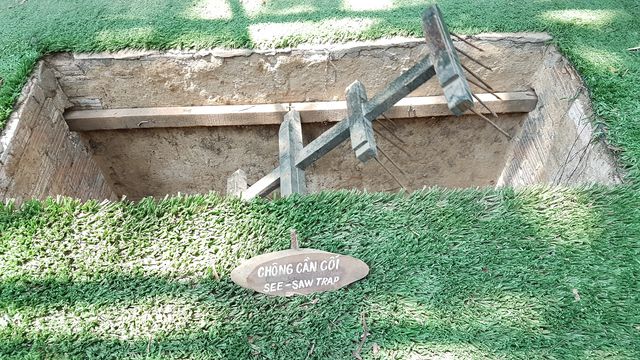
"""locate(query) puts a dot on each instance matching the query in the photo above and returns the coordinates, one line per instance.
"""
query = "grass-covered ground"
(546, 273)
(483, 274)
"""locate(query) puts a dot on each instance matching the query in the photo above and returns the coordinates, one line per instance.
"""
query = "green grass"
(542, 273)
(538, 273)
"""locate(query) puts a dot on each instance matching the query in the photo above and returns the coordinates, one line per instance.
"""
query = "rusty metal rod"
(465, 41)
(390, 131)
(476, 76)
(492, 123)
(391, 161)
(473, 59)
(485, 105)
(391, 174)
(390, 121)
(484, 88)
(391, 142)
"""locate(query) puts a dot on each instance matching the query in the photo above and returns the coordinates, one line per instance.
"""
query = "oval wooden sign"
(298, 272)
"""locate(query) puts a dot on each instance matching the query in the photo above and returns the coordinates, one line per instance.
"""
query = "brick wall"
(556, 144)
(39, 156)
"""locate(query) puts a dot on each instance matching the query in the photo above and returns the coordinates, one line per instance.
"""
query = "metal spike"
(390, 131)
(492, 123)
(485, 105)
(390, 173)
(392, 143)
(465, 41)
(390, 121)
(477, 77)
(391, 161)
(473, 59)
(484, 88)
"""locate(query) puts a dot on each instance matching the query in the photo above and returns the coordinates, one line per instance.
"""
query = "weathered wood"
(187, 116)
(515, 102)
(264, 186)
(363, 142)
(324, 143)
(310, 112)
(292, 178)
(399, 88)
(446, 62)
(298, 272)
(237, 183)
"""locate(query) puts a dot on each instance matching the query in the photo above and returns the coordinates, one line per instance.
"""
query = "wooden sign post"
(298, 271)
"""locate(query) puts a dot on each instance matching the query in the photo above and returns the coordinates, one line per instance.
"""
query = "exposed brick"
(43, 158)
(16, 149)
(37, 94)
(30, 110)
(47, 81)
(60, 101)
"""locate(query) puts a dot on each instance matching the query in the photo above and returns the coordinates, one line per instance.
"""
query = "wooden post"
(237, 183)
(363, 142)
(402, 86)
(292, 178)
(446, 62)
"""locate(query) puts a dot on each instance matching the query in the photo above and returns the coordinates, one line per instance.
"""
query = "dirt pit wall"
(553, 144)
(39, 156)
(448, 151)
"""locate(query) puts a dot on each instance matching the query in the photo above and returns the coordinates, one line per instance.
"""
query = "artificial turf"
(539, 273)
(536, 273)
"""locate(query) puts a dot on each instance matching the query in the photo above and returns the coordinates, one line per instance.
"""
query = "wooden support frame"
(272, 114)
(356, 123)
(399, 88)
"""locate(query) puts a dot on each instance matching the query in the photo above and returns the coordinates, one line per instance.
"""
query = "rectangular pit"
(165, 153)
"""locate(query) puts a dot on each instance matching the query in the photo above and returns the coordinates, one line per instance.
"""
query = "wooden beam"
(445, 60)
(237, 183)
(264, 186)
(272, 114)
(292, 178)
(360, 128)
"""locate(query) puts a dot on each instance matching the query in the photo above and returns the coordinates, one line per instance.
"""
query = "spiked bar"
(446, 62)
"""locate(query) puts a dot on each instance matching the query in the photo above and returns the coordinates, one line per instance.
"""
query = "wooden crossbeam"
(272, 114)
(399, 88)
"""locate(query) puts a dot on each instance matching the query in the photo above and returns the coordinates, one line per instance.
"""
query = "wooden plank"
(264, 186)
(292, 178)
(237, 183)
(400, 87)
(324, 143)
(446, 62)
(272, 114)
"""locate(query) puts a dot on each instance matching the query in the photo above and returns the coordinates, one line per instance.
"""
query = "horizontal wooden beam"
(272, 114)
